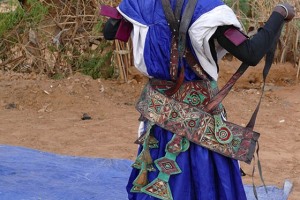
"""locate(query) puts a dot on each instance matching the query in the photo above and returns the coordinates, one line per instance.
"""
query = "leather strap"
(244, 66)
(176, 87)
(178, 28)
(173, 19)
(268, 63)
(195, 65)
(172, 22)
(184, 25)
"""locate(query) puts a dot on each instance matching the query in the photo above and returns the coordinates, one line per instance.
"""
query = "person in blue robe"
(204, 174)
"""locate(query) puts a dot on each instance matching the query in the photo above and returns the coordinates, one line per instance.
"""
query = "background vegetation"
(253, 14)
(58, 38)
(54, 37)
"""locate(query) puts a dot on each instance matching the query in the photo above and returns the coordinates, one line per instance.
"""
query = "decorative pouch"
(119, 27)
(181, 115)
(235, 36)
(124, 30)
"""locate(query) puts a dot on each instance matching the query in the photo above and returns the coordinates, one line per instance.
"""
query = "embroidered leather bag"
(183, 114)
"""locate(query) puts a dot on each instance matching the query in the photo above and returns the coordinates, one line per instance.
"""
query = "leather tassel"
(142, 178)
(147, 157)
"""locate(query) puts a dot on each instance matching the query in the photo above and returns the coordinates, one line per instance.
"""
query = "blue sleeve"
(143, 12)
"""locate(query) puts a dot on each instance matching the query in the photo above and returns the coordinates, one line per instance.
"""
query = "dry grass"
(259, 11)
(69, 32)
(72, 28)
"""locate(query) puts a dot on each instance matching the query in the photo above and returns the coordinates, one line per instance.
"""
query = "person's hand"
(286, 10)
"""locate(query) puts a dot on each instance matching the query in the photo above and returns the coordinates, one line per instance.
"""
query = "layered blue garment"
(205, 175)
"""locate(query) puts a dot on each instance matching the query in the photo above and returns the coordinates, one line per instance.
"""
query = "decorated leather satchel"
(183, 114)
(193, 110)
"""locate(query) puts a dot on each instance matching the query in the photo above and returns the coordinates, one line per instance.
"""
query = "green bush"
(244, 6)
(96, 63)
(9, 20)
(96, 67)
(37, 11)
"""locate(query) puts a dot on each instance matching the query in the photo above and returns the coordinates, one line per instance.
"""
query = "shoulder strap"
(184, 25)
(173, 18)
(178, 28)
(244, 66)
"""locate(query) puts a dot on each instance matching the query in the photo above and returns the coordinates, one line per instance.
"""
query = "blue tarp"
(27, 174)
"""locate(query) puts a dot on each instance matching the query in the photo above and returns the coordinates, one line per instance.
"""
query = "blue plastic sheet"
(27, 174)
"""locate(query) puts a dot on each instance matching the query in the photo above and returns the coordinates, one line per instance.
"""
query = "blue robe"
(205, 175)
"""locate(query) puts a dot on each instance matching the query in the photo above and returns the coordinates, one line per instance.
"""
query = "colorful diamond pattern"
(159, 189)
(167, 166)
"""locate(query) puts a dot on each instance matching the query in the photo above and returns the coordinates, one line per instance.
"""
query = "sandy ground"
(45, 114)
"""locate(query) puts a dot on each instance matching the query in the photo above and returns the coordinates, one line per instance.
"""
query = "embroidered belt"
(183, 114)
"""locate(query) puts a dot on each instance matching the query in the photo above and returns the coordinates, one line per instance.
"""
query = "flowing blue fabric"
(205, 175)
(30, 174)
(158, 40)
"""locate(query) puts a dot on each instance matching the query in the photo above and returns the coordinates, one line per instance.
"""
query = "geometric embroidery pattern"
(178, 114)
(144, 163)
(167, 166)
(175, 145)
(222, 133)
(183, 114)
(159, 189)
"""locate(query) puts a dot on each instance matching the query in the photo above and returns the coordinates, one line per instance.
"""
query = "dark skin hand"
(282, 11)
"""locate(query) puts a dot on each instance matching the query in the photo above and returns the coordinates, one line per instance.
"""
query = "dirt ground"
(45, 114)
